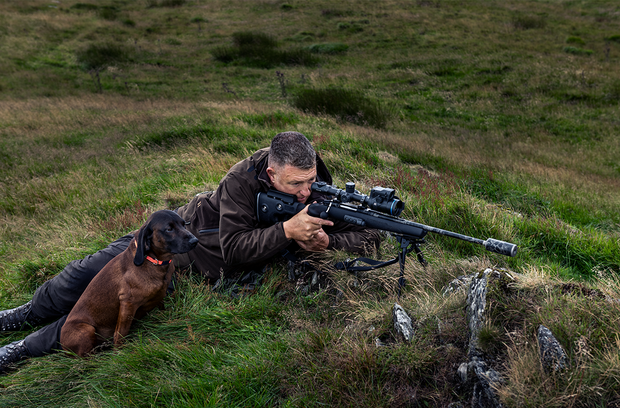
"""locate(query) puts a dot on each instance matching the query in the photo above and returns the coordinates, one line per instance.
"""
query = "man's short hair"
(292, 148)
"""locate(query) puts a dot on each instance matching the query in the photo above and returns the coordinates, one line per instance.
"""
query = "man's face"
(292, 180)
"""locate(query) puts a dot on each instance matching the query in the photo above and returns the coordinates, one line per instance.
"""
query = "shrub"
(345, 104)
(259, 50)
(255, 40)
(84, 6)
(575, 40)
(108, 13)
(225, 53)
(164, 3)
(577, 51)
(528, 22)
(328, 48)
(171, 3)
(98, 56)
(615, 38)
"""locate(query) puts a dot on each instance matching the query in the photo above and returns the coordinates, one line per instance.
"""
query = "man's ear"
(144, 244)
(271, 173)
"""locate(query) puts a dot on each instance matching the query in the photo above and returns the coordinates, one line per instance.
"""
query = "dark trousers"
(55, 298)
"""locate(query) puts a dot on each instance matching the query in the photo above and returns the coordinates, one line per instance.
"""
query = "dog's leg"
(80, 338)
(126, 315)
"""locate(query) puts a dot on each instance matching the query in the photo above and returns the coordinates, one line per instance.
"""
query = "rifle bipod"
(408, 244)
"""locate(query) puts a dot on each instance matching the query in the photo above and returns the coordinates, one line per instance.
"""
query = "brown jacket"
(230, 238)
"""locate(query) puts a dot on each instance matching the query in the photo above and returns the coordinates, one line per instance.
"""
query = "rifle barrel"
(377, 220)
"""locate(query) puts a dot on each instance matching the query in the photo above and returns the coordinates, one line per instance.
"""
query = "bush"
(345, 104)
(84, 6)
(328, 48)
(164, 3)
(108, 13)
(529, 22)
(98, 56)
(575, 40)
(577, 51)
(171, 3)
(255, 40)
(225, 53)
(259, 50)
(615, 38)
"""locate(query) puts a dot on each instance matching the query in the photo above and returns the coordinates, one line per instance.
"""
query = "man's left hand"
(318, 243)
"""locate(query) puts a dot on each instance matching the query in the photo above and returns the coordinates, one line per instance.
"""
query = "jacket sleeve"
(241, 239)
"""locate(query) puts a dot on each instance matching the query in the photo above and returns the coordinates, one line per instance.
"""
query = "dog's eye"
(169, 229)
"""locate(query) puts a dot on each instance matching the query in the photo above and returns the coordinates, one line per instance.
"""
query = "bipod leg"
(402, 257)
(418, 252)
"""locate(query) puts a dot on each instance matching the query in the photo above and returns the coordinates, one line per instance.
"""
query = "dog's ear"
(144, 244)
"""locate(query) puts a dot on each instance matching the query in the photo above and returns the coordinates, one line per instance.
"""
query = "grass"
(493, 129)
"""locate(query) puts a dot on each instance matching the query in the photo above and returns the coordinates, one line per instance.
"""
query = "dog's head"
(164, 233)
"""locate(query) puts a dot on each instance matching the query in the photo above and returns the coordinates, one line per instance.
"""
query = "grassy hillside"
(492, 119)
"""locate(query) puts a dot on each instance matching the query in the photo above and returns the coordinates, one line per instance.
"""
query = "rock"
(552, 355)
(476, 304)
(402, 322)
(457, 285)
(484, 388)
(484, 378)
(462, 372)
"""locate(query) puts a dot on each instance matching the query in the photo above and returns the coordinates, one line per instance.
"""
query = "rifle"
(379, 210)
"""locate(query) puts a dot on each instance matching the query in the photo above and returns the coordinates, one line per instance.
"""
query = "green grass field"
(492, 119)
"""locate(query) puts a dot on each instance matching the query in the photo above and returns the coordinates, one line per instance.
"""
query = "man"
(230, 239)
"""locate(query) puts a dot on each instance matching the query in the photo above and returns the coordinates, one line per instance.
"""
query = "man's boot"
(11, 354)
(17, 318)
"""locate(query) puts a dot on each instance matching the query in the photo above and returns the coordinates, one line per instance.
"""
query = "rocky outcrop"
(552, 354)
(484, 378)
(480, 376)
(476, 372)
(402, 322)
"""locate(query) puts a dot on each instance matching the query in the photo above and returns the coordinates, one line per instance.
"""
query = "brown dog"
(127, 287)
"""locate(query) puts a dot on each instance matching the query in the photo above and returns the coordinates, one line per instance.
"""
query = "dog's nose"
(193, 241)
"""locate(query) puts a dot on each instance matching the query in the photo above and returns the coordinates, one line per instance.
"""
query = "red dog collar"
(157, 261)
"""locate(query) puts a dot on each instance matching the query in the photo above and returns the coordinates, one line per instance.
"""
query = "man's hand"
(319, 243)
(306, 228)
